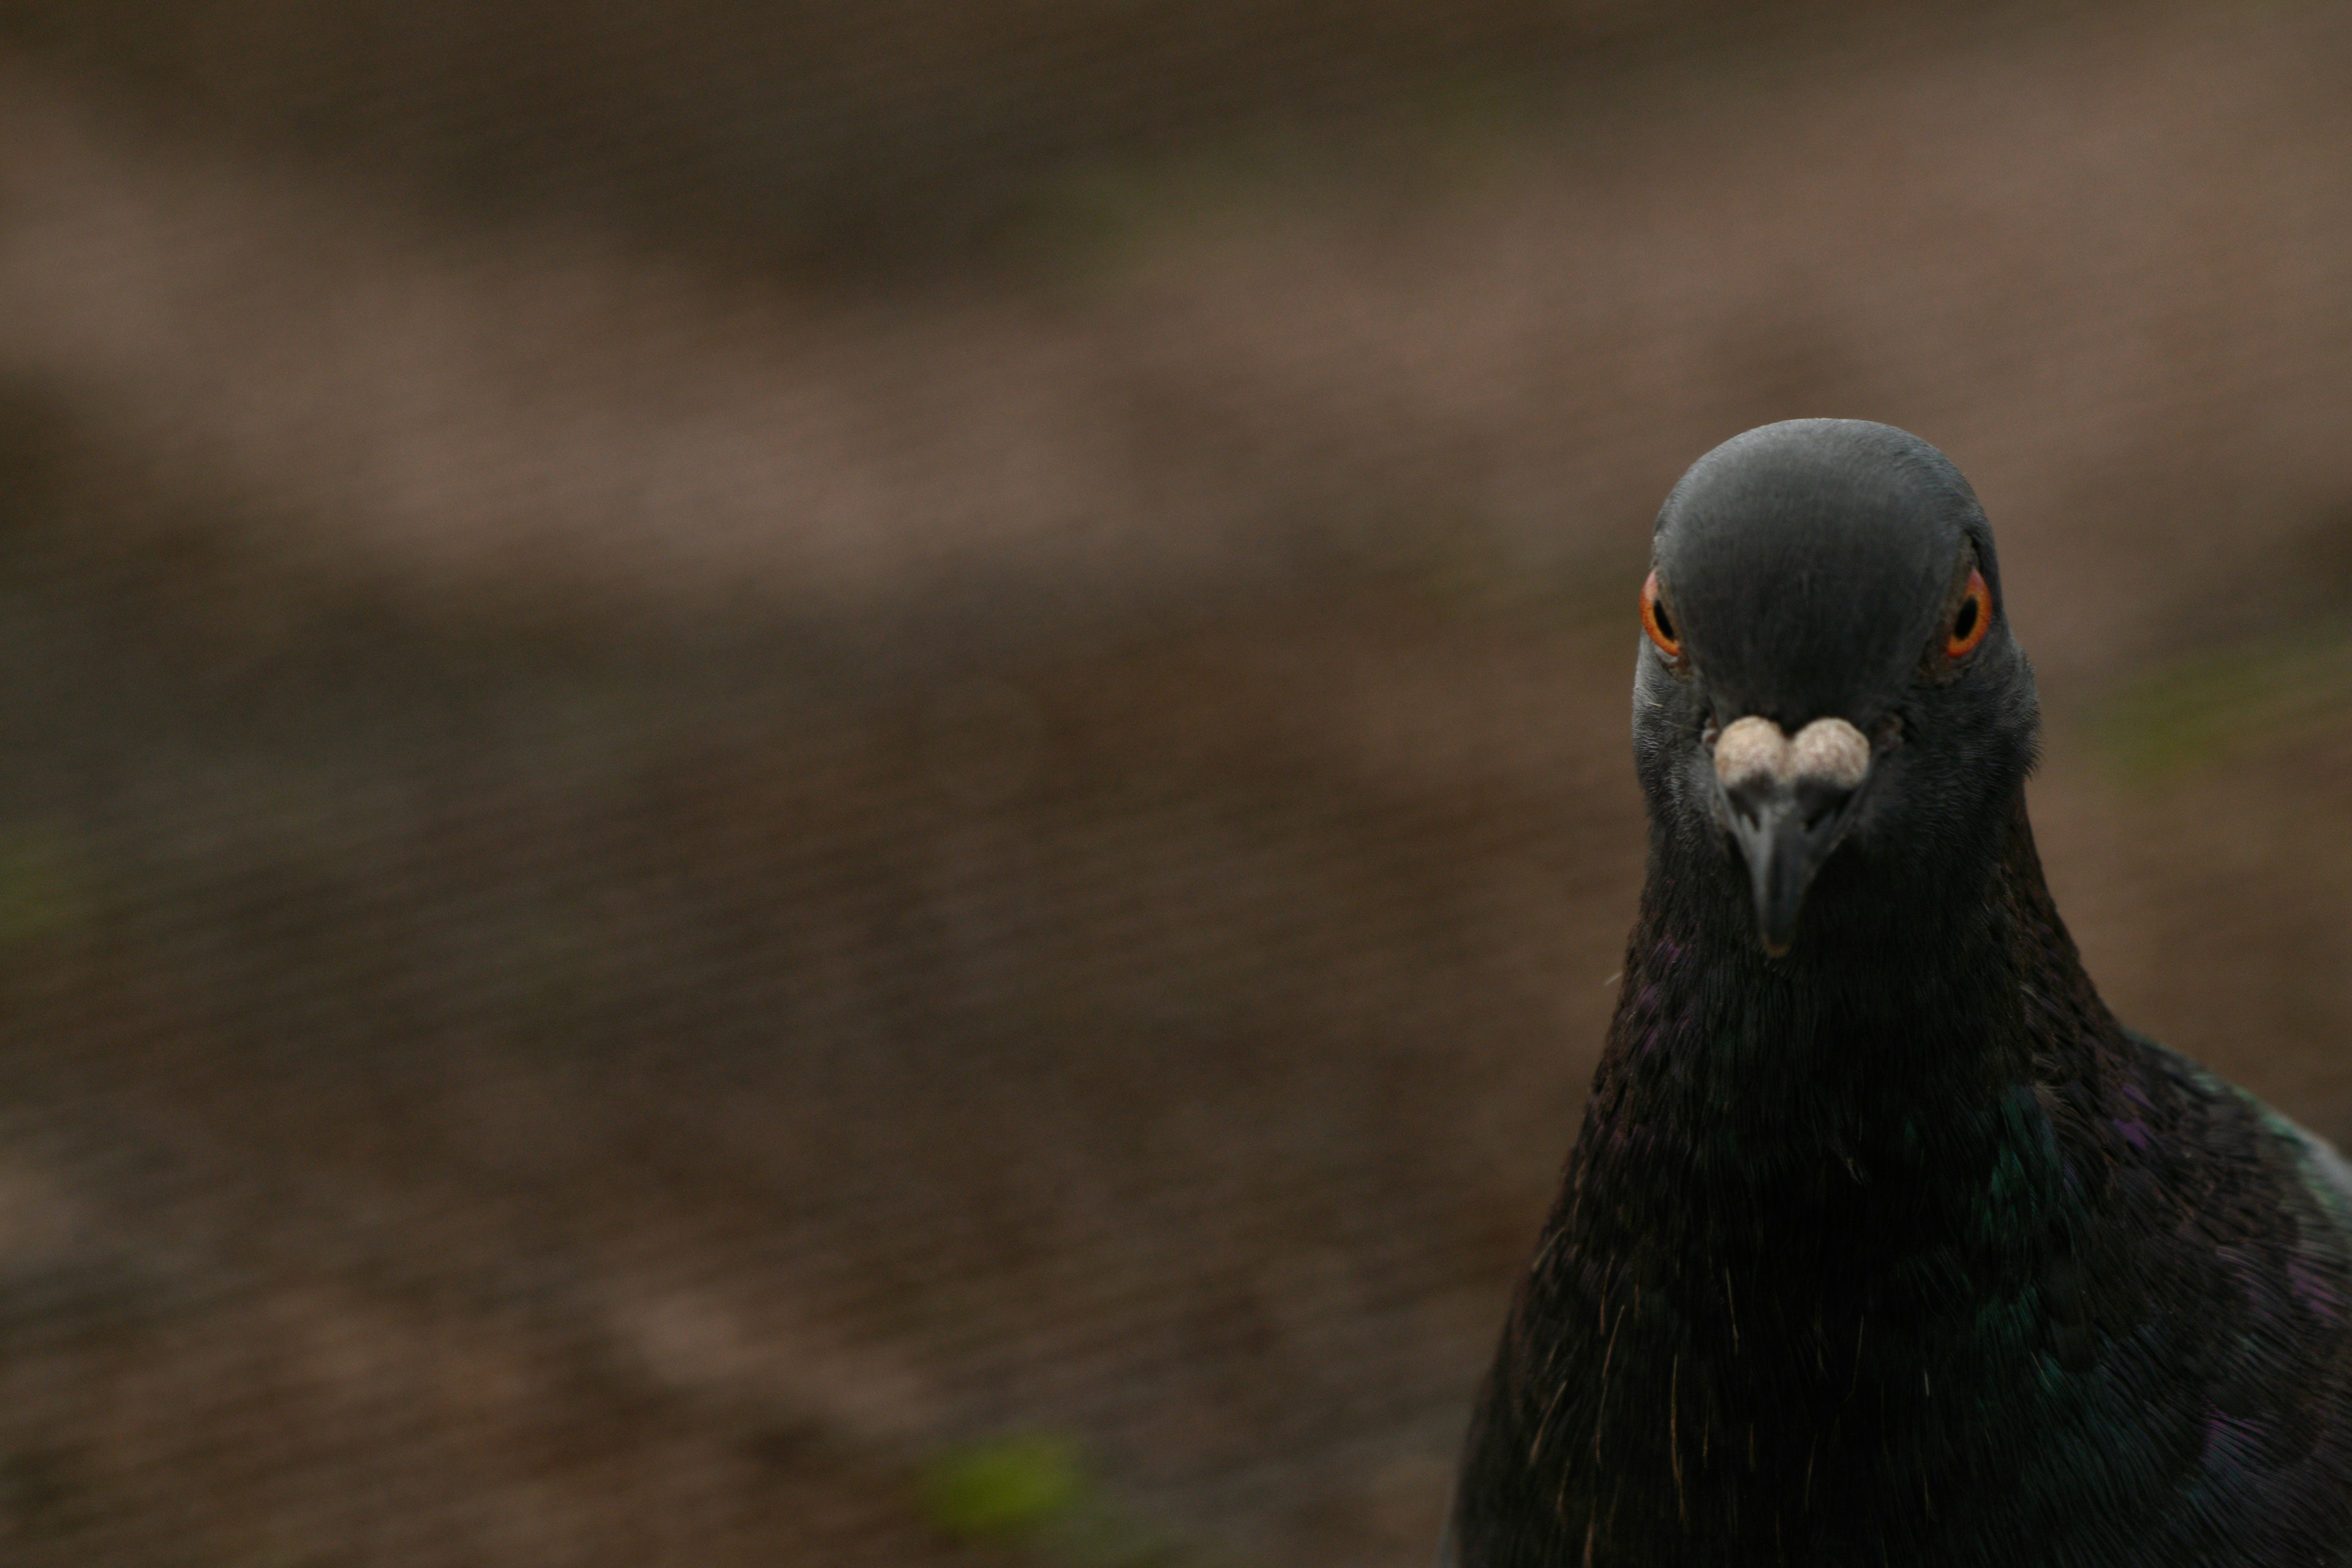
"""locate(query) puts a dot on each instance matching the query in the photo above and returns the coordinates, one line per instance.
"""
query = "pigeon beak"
(1781, 856)
(1785, 803)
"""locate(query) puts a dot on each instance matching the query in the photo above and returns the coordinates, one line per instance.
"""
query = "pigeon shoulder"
(2322, 1176)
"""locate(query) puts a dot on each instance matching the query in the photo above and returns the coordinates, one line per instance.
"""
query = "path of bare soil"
(2102, 264)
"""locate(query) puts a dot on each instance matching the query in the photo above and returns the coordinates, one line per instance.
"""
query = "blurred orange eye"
(1657, 622)
(1971, 621)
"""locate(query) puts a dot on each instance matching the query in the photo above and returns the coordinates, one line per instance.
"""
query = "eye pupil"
(1659, 625)
(1972, 619)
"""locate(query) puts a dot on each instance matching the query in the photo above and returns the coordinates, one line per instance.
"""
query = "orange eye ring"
(1972, 620)
(1658, 621)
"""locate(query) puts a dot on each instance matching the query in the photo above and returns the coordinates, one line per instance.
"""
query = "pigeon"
(1883, 1243)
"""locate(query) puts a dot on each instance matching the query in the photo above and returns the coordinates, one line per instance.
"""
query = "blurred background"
(850, 784)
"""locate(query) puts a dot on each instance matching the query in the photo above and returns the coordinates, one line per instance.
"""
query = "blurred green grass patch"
(42, 891)
(1032, 1490)
(2219, 704)
(1003, 1488)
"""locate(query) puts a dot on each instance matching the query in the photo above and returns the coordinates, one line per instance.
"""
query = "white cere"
(1827, 752)
(1832, 751)
(1750, 748)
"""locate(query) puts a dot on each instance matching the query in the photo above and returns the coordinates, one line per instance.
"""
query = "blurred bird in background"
(845, 785)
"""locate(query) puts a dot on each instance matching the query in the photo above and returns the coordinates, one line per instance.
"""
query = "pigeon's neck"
(1811, 1211)
(1842, 1112)
(1909, 1003)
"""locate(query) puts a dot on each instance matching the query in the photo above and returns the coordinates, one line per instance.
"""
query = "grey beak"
(1785, 803)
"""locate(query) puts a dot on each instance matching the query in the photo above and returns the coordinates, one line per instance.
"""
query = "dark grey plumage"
(1883, 1242)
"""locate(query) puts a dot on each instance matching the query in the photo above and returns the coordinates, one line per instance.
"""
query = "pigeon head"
(1830, 717)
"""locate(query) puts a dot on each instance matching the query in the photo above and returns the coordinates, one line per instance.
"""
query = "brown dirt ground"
(632, 907)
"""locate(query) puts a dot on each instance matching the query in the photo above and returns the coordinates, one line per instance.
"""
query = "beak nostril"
(1818, 801)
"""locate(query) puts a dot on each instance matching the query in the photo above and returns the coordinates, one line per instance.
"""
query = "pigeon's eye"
(1972, 620)
(1657, 622)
